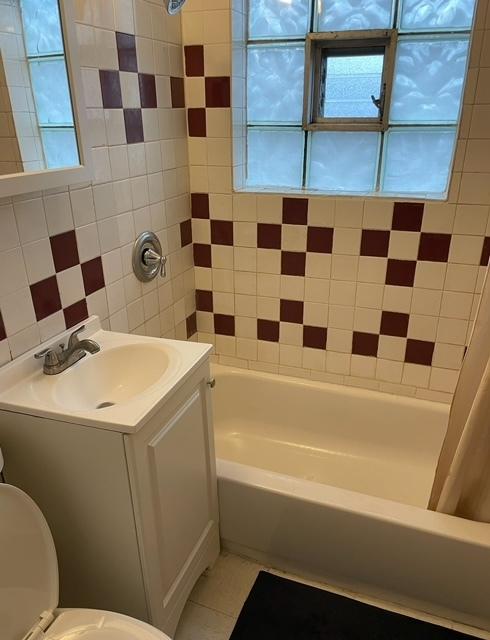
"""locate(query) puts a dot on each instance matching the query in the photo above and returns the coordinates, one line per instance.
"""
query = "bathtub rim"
(348, 390)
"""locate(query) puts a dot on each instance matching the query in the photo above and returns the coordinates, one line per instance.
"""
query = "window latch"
(379, 103)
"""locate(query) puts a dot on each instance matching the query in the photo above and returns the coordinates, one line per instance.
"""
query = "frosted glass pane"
(51, 92)
(278, 18)
(345, 15)
(275, 84)
(343, 161)
(42, 28)
(60, 148)
(418, 161)
(350, 81)
(437, 14)
(429, 78)
(275, 158)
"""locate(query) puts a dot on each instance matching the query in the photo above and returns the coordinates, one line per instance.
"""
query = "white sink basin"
(118, 388)
(109, 378)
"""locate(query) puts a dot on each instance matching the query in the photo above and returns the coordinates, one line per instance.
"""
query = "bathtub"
(332, 482)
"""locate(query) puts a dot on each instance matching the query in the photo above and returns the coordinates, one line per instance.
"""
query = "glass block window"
(356, 97)
(49, 79)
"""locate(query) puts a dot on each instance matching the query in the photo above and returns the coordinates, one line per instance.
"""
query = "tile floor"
(218, 597)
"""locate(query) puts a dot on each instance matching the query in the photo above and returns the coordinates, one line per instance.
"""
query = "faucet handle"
(74, 336)
(50, 356)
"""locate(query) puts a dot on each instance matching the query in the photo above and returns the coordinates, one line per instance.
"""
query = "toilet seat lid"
(89, 624)
(29, 568)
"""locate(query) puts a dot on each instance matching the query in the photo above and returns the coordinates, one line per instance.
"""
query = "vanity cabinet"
(134, 515)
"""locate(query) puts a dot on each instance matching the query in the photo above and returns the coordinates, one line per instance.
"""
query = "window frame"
(349, 41)
(27, 182)
(42, 59)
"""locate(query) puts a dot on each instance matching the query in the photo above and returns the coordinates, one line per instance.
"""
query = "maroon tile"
(224, 325)
(434, 247)
(3, 333)
(292, 311)
(148, 90)
(202, 255)
(204, 300)
(200, 205)
(93, 276)
(268, 330)
(394, 324)
(319, 240)
(222, 232)
(419, 352)
(217, 91)
(177, 93)
(65, 250)
(295, 210)
(126, 51)
(191, 325)
(293, 263)
(407, 216)
(315, 337)
(485, 254)
(75, 313)
(45, 297)
(401, 272)
(185, 233)
(269, 236)
(375, 243)
(110, 85)
(196, 119)
(133, 123)
(365, 344)
(194, 60)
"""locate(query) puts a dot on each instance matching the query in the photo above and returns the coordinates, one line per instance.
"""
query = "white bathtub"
(332, 482)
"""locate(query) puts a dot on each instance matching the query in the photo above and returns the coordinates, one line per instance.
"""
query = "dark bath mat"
(280, 609)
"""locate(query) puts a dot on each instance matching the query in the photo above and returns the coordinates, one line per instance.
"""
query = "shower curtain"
(462, 481)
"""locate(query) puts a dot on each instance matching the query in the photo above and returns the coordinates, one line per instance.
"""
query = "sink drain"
(104, 405)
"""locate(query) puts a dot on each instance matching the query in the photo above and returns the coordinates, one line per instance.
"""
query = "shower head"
(174, 6)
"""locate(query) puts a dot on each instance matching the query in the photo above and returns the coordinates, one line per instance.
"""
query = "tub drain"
(104, 405)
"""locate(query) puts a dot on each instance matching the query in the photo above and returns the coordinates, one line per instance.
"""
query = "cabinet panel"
(179, 474)
(173, 480)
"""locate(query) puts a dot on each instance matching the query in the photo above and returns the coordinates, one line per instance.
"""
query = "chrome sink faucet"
(59, 359)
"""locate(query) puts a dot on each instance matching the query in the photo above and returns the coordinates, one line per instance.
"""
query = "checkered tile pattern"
(297, 249)
(213, 93)
(66, 290)
(354, 290)
(135, 93)
(73, 246)
(393, 314)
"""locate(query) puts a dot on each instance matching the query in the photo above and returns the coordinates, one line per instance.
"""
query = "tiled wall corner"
(367, 292)
(66, 254)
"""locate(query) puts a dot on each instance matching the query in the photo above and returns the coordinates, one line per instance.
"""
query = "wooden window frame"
(350, 42)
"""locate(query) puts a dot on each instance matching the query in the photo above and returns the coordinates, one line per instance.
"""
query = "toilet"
(29, 584)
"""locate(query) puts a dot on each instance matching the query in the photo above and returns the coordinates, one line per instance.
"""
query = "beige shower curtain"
(462, 482)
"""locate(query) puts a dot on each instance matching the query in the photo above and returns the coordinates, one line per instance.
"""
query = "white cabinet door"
(174, 483)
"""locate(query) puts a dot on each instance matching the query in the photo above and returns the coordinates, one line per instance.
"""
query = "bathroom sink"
(106, 379)
(120, 387)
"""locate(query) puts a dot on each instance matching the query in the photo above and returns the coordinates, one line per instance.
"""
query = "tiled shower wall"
(66, 254)
(368, 292)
